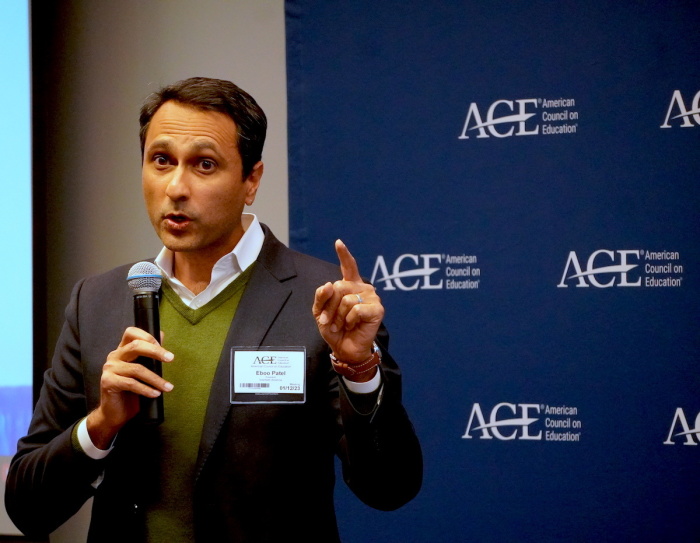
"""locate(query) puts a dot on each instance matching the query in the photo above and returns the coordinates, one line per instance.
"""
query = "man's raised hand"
(348, 312)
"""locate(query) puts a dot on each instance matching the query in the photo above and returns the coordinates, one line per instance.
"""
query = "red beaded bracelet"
(350, 370)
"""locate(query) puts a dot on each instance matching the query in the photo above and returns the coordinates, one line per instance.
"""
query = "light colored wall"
(116, 53)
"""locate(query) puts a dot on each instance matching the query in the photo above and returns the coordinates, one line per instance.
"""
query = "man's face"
(193, 180)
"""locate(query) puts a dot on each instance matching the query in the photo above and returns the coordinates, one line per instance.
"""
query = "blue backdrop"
(520, 181)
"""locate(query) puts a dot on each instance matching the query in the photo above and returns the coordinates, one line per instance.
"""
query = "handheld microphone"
(144, 279)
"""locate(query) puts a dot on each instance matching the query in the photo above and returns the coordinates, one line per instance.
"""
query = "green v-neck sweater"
(196, 338)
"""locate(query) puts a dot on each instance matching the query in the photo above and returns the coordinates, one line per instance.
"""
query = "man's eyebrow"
(161, 144)
(205, 145)
(165, 145)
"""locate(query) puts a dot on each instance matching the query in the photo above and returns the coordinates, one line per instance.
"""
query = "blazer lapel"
(264, 297)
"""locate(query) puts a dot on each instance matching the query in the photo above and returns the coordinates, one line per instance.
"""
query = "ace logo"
(501, 113)
(507, 421)
(265, 360)
(678, 113)
(409, 272)
(680, 429)
(604, 269)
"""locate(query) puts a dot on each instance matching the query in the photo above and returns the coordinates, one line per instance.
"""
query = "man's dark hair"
(215, 95)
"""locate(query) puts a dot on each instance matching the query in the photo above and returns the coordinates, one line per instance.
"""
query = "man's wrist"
(100, 435)
(360, 372)
(86, 444)
(367, 387)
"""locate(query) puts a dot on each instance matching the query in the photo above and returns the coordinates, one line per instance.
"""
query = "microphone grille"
(144, 276)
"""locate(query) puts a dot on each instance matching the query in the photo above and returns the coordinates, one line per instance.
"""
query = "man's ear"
(253, 182)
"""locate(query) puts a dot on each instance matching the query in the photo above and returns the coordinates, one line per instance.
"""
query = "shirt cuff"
(364, 388)
(86, 443)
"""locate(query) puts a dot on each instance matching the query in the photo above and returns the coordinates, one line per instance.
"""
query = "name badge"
(268, 375)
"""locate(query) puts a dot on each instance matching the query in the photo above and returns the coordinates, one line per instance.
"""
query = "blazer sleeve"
(380, 453)
(49, 479)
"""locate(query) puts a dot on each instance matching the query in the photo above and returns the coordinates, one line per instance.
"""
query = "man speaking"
(272, 362)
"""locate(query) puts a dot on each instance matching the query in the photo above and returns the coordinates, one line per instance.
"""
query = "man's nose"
(178, 185)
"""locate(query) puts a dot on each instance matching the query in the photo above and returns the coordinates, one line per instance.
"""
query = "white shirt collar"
(225, 270)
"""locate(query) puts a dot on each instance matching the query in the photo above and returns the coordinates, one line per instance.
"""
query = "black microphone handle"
(147, 318)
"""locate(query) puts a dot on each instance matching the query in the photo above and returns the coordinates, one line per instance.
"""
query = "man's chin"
(180, 247)
(178, 244)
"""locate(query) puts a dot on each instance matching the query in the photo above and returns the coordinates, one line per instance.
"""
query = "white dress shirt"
(224, 271)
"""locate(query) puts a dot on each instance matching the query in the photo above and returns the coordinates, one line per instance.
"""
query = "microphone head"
(144, 277)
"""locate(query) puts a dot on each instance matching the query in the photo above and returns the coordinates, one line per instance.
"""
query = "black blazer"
(264, 472)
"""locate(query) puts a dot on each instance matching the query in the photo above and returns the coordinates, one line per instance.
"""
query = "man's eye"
(207, 165)
(160, 160)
